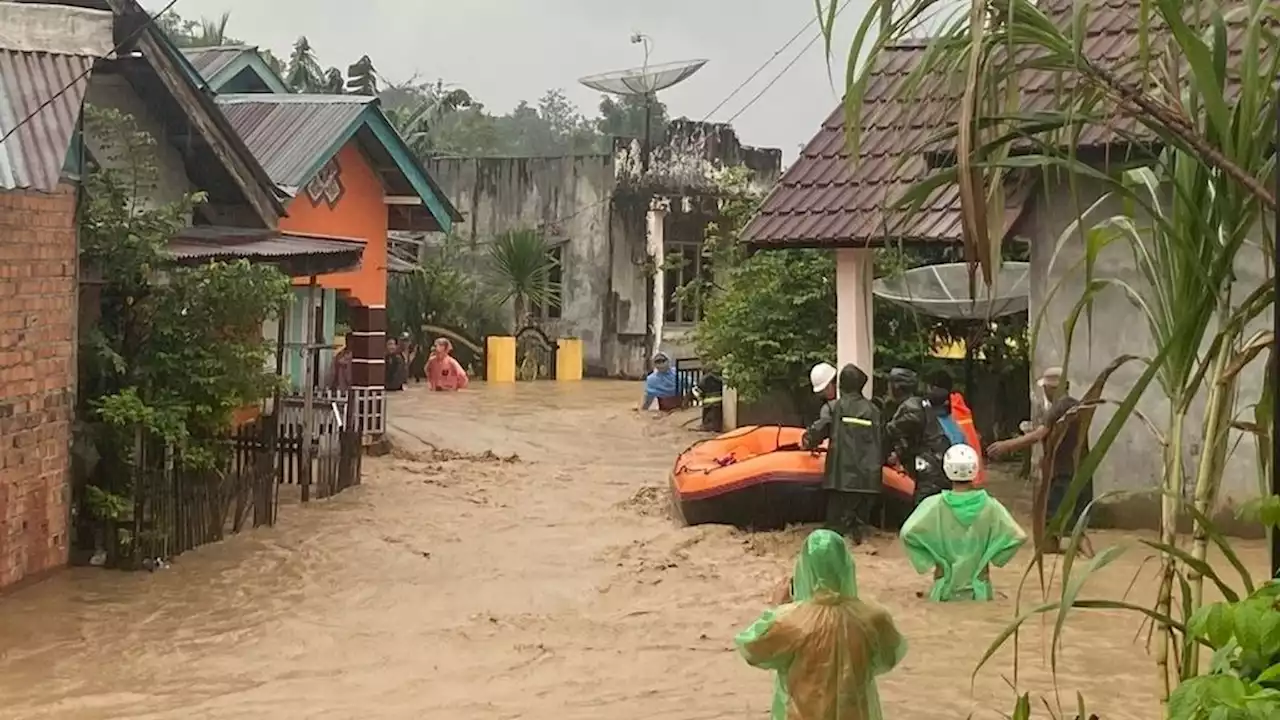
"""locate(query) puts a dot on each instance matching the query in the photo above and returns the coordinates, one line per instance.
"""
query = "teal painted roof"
(293, 136)
(218, 65)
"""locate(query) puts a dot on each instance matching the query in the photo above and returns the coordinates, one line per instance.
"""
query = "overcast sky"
(504, 51)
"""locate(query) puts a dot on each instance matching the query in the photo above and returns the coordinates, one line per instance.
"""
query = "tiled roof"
(1113, 41)
(292, 134)
(829, 198)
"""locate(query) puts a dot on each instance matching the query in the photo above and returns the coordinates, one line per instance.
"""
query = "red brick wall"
(37, 378)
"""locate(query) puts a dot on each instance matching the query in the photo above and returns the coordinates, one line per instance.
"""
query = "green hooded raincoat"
(826, 646)
(961, 534)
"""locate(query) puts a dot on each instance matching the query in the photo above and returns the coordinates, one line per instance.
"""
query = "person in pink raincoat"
(444, 372)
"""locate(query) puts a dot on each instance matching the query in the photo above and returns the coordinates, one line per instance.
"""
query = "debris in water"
(648, 501)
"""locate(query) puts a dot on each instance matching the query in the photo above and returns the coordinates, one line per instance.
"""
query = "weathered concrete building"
(610, 220)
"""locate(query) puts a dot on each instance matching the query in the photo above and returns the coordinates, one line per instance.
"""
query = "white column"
(656, 235)
(854, 335)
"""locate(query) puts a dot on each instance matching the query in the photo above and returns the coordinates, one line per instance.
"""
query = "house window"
(683, 263)
(555, 286)
(326, 186)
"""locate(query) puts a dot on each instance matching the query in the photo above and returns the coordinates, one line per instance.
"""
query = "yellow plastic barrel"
(500, 359)
(569, 359)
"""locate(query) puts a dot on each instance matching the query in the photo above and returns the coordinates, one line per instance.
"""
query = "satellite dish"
(644, 81)
(942, 291)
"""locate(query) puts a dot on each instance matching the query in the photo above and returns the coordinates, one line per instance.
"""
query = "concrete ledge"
(1142, 512)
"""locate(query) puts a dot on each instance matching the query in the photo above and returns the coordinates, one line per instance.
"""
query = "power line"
(151, 19)
(760, 69)
(783, 71)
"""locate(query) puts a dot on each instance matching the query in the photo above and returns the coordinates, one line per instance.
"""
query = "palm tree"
(522, 262)
(212, 33)
(1210, 113)
(417, 120)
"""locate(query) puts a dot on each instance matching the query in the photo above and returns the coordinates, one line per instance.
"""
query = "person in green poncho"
(960, 533)
(824, 644)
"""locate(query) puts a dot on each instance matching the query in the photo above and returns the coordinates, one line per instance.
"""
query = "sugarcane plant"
(1195, 103)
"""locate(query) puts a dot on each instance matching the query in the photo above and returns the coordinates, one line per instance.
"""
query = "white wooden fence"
(329, 408)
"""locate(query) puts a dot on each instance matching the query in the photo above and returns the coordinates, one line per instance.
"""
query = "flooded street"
(461, 582)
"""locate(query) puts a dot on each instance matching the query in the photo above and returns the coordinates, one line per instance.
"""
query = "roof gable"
(168, 72)
(831, 198)
(293, 136)
(221, 66)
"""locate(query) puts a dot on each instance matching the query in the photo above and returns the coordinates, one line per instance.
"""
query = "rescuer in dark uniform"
(915, 434)
(852, 474)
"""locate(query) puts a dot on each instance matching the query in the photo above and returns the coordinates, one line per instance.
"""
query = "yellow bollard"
(500, 359)
(569, 359)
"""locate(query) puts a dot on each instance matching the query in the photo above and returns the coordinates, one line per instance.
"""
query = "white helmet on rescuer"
(960, 463)
(821, 376)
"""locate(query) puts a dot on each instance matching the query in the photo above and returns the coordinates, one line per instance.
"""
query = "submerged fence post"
(308, 392)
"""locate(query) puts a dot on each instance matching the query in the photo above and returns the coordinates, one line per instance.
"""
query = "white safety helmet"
(821, 376)
(960, 463)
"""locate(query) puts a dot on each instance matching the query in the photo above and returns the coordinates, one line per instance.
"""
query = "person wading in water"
(826, 645)
(852, 472)
(444, 372)
(915, 435)
(1058, 406)
(960, 533)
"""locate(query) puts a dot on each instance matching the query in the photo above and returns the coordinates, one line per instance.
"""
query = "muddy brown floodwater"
(465, 584)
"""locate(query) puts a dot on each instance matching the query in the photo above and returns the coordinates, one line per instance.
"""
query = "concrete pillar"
(855, 341)
(368, 341)
(655, 237)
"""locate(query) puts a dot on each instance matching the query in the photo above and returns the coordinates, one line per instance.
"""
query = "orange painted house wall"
(360, 214)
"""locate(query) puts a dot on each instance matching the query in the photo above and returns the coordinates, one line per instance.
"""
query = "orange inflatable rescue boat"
(758, 477)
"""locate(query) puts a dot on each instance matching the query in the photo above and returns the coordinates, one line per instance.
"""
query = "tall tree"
(625, 117)
(303, 73)
(334, 82)
(419, 109)
(362, 77)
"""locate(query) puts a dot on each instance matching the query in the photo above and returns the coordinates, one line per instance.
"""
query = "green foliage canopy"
(177, 349)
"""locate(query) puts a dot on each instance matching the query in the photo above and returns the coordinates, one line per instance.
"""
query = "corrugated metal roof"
(33, 156)
(209, 61)
(46, 53)
(209, 243)
(289, 134)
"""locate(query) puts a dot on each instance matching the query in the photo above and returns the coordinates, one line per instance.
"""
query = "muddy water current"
(513, 558)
